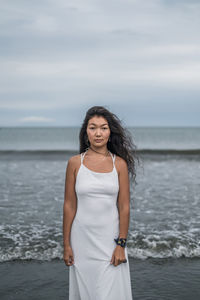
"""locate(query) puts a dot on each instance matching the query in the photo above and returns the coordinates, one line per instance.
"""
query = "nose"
(98, 132)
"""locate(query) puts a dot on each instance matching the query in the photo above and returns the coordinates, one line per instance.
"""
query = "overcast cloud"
(141, 59)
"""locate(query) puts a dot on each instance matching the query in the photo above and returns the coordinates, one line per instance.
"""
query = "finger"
(71, 258)
(116, 261)
(112, 259)
(119, 261)
(67, 261)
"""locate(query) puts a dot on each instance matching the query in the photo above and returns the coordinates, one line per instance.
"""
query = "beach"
(152, 279)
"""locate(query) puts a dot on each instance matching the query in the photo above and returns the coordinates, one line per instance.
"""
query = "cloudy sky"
(139, 58)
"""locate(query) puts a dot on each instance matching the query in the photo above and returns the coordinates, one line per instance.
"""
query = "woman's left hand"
(118, 256)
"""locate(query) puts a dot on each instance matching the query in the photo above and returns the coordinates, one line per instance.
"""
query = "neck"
(105, 152)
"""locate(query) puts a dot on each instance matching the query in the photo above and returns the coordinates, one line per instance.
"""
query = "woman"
(96, 210)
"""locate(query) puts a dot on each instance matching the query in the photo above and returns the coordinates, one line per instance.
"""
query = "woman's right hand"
(68, 256)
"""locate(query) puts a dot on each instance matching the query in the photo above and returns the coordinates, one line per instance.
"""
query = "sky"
(140, 59)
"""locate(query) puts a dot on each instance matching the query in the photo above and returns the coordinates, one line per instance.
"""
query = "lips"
(98, 140)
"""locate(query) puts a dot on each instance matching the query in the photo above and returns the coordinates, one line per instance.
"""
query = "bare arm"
(123, 199)
(118, 256)
(70, 202)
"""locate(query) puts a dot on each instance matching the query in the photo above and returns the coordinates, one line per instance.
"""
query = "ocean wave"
(44, 243)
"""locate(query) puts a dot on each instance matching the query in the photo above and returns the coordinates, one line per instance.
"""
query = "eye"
(105, 128)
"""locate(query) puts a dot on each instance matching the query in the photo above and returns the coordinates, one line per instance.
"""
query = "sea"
(165, 202)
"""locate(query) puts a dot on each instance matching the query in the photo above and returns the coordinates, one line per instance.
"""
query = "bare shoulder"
(74, 160)
(121, 164)
(74, 163)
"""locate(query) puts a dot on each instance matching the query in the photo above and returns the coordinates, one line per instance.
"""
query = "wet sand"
(152, 279)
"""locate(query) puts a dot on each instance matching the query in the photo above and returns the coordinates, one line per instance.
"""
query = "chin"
(99, 144)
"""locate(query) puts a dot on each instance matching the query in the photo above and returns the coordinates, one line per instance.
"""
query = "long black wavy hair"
(120, 143)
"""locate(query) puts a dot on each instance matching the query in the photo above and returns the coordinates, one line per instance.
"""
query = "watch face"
(121, 242)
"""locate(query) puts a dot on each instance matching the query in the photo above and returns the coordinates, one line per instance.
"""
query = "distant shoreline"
(68, 152)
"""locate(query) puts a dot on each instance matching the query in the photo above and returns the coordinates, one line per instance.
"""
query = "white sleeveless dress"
(93, 230)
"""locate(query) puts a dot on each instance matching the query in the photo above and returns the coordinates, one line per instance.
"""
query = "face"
(98, 131)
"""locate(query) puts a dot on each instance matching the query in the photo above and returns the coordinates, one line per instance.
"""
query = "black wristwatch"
(121, 242)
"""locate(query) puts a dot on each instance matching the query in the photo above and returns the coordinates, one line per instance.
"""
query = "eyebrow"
(101, 125)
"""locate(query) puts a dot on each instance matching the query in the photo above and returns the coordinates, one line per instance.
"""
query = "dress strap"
(82, 156)
(113, 158)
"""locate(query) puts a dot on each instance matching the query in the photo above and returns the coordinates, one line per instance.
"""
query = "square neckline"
(99, 172)
(83, 154)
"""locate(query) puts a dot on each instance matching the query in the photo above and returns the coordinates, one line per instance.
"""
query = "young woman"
(96, 209)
